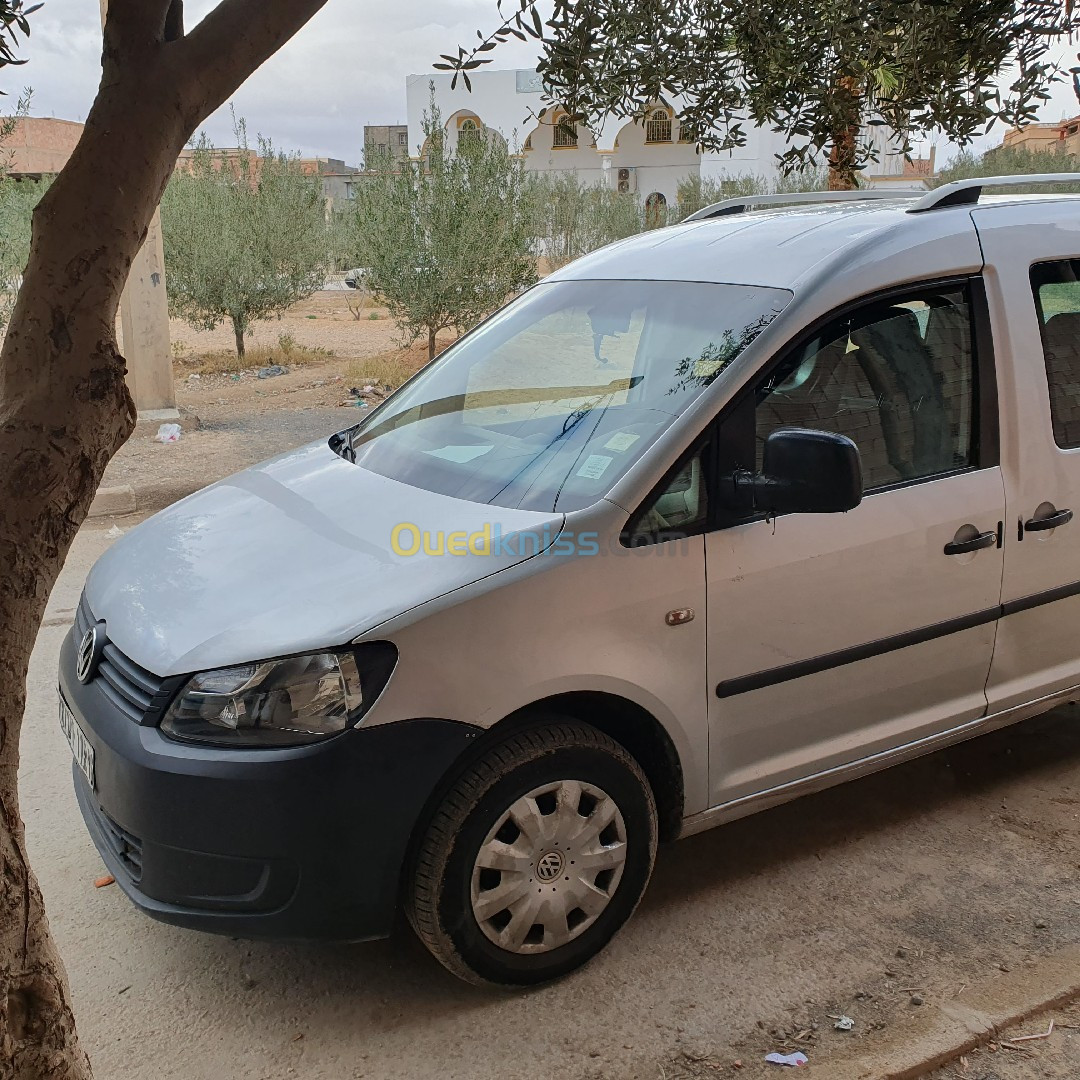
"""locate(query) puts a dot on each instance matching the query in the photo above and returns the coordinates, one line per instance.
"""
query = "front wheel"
(536, 857)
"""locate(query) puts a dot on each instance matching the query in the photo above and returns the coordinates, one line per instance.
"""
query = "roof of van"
(777, 247)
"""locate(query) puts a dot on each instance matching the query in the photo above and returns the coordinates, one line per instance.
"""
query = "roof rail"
(967, 192)
(749, 202)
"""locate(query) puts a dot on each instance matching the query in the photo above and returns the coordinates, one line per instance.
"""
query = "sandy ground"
(1057, 1055)
(244, 419)
(933, 875)
(322, 321)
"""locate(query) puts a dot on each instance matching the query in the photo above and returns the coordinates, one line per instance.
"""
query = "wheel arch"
(627, 723)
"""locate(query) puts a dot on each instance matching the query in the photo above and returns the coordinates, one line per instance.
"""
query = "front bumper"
(299, 843)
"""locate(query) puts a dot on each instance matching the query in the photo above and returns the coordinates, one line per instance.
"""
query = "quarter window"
(897, 377)
(1057, 299)
(678, 509)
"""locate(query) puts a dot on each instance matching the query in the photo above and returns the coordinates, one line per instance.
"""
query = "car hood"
(291, 555)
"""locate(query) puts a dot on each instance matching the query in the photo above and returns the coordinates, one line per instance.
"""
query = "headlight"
(290, 702)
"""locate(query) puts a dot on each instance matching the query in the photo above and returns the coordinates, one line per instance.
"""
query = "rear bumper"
(300, 843)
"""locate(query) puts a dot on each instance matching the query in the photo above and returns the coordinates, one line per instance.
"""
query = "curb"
(124, 499)
(113, 500)
(958, 1026)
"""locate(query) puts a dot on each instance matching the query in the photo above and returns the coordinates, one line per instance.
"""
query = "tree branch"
(237, 37)
(132, 27)
(174, 21)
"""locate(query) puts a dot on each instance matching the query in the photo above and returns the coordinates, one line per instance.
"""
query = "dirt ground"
(244, 419)
(918, 883)
(322, 321)
(1057, 1055)
(936, 875)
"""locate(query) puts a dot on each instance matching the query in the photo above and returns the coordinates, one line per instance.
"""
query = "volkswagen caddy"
(711, 518)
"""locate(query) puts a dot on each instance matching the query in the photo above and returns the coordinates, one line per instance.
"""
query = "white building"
(648, 156)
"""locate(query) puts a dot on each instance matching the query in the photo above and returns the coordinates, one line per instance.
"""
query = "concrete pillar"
(144, 327)
(144, 324)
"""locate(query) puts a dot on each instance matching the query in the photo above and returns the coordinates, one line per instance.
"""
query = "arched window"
(528, 143)
(658, 126)
(468, 132)
(655, 210)
(686, 132)
(565, 134)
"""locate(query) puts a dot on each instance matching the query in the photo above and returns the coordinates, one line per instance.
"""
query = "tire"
(578, 793)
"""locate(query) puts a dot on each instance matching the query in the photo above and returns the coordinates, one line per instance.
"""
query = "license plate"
(80, 746)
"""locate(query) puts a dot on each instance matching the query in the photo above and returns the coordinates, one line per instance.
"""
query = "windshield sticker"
(621, 441)
(595, 466)
(460, 454)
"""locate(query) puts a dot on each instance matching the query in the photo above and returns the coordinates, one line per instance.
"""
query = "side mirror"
(806, 472)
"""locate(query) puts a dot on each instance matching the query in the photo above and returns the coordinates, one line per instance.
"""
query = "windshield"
(550, 401)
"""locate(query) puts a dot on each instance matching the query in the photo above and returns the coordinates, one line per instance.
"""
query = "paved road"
(764, 926)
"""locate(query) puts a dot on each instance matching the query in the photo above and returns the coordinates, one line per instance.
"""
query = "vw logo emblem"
(88, 654)
(550, 866)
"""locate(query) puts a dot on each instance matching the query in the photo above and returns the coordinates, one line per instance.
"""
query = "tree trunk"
(430, 344)
(843, 154)
(65, 409)
(238, 332)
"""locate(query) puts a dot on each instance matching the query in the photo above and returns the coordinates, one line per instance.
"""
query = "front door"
(834, 637)
(1033, 280)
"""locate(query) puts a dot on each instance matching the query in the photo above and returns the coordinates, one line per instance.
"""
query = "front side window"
(897, 377)
(550, 401)
(1056, 287)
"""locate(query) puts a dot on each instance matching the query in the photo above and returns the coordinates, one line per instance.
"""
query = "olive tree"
(697, 192)
(65, 408)
(17, 201)
(446, 239)
(816, 70)
(574, 218)
(1009, 161)
(245, 236)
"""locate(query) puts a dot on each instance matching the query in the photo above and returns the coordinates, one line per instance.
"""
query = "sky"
(345, 69)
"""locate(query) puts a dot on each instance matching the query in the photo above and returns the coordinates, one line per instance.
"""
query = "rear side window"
(897, 377)
(1056, 286)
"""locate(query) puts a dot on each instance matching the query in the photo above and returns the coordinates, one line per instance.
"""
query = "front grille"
(126, 847)
(136, 692)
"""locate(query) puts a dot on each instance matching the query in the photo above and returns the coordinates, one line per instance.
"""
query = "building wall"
(542, 155)
(513, 103)
(1033, 137)
(388, 137)
(41, 145)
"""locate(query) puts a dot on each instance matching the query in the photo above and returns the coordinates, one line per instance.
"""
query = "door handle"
(1062, 517)
(962, 547)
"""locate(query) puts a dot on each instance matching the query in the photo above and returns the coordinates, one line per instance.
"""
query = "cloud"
(345, 69)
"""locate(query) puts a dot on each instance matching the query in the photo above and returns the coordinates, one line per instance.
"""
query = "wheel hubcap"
(549, 867)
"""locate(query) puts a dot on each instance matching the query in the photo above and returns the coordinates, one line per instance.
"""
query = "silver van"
(711, 518)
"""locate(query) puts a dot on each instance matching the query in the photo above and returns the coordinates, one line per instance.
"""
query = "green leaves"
(17, 201)
(449, 238)
(245, 234)
(815, 70)
(14, 21)
(1009, 161)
